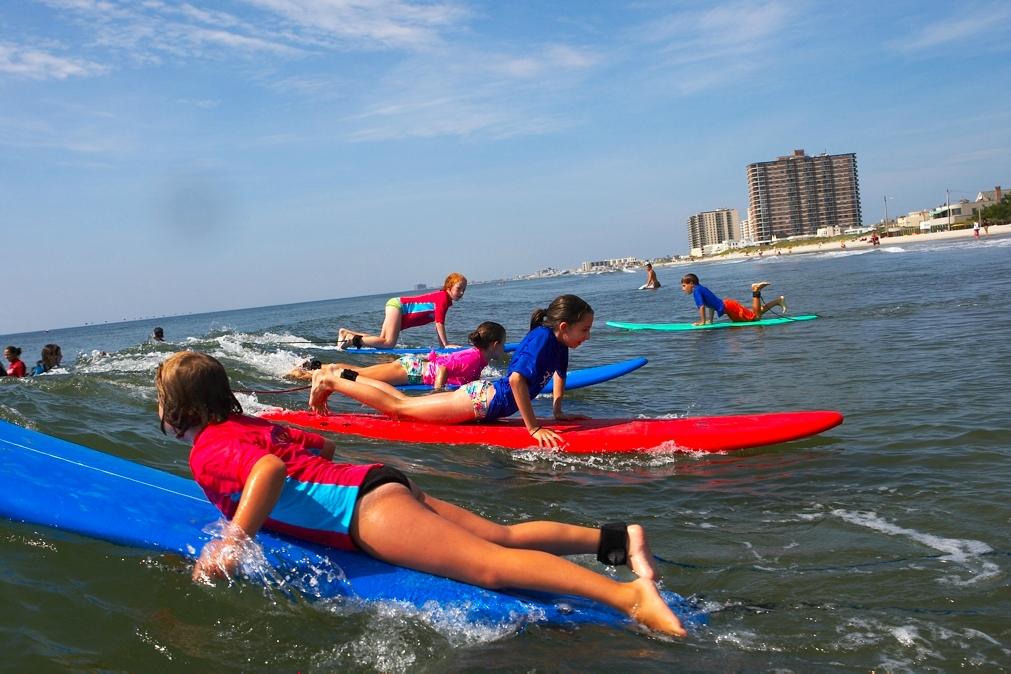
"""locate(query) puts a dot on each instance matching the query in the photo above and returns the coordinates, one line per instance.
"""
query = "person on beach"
(709, 304)
(543, 355)
(409, 312)
(52, 355)
(247, 467)
(17, 367)
(651, 281)
(435, 370)
(975, 230)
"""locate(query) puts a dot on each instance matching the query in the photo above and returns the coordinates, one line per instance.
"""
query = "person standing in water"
(651, 281)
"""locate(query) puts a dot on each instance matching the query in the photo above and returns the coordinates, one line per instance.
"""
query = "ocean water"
(880, 545)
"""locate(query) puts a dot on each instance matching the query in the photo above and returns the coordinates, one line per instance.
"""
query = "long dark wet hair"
(563, 309)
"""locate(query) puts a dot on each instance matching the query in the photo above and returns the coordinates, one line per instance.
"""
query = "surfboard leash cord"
(267, 393)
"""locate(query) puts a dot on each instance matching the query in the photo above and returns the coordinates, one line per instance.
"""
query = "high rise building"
(712, 227)
(798, 194)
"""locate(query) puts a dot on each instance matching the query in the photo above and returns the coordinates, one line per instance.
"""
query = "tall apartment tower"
(797, 194)
(711, 227)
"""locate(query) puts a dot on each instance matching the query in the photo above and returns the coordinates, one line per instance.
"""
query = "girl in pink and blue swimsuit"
(437, 370)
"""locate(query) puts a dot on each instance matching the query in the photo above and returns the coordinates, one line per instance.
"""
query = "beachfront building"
(989, 198)
(798, 194)
(748, 232)
(710, 228)
(909, 221)
(595, 266)
(950, 216)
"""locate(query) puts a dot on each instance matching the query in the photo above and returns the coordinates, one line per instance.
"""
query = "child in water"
(17, 367)
(436, 370)
(652, 283)
(410, 312)
(261, 475)
(542, 355)
(52, 356)
(709, 304)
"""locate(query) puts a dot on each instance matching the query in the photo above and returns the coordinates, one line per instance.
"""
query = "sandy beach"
(864, 242)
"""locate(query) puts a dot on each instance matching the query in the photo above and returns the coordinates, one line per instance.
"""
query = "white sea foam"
(893, 249)
(845, 253)
(747, 641)
(966, 553)
(99, 362)
(252, 406)
(606, 462)
(910, 645)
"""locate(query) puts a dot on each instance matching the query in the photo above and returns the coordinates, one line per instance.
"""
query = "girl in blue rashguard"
(543, 355)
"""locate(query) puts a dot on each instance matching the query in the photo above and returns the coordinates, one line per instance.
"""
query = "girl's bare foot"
(640, 559)
(652, 611)
(322, 387)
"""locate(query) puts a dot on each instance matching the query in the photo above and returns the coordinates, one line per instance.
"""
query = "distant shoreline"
(852, 244)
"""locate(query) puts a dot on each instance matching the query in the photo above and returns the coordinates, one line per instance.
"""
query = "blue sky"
(160, 157)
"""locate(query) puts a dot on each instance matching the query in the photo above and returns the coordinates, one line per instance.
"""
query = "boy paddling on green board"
(711, 306)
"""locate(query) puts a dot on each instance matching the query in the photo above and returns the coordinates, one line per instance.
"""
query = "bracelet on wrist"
(533, 431)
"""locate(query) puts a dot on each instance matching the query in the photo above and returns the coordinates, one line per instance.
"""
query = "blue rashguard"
(537, 358)
(704, 296)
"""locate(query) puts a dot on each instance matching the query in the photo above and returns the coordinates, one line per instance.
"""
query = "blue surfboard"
(52, 482)
(575, 379)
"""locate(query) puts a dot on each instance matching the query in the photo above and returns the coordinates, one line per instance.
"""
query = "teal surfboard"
(677, 327)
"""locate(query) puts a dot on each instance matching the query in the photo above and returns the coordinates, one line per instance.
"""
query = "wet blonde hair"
(193, 390)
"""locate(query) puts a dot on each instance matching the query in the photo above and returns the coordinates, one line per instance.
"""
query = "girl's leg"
(451, 408)
(391, 524)
(391, 373)
(388, 334)
(760, 308)
(380, 385)
(554, 537)
(306, 375)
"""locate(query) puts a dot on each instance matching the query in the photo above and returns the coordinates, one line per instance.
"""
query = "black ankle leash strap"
(613, 548)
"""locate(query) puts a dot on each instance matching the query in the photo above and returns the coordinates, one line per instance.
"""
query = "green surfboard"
(677, 327)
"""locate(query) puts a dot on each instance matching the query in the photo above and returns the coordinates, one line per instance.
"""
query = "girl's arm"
(702, 315)
(441, 375)
(329, 447)
(220, 558)
(440, 330)
(521, 392)
(558, 392)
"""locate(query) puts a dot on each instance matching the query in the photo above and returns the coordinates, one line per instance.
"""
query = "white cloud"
(470, 93)
(717, 33)
(969, 22)
(40, 65)
(388, 23)
(697, 50)
(38, 134)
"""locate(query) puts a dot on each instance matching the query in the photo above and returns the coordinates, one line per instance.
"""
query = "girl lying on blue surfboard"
(542, 356)
(261, 475)
(434, 369)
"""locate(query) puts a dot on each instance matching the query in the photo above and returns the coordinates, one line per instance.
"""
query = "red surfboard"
(588, 436)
